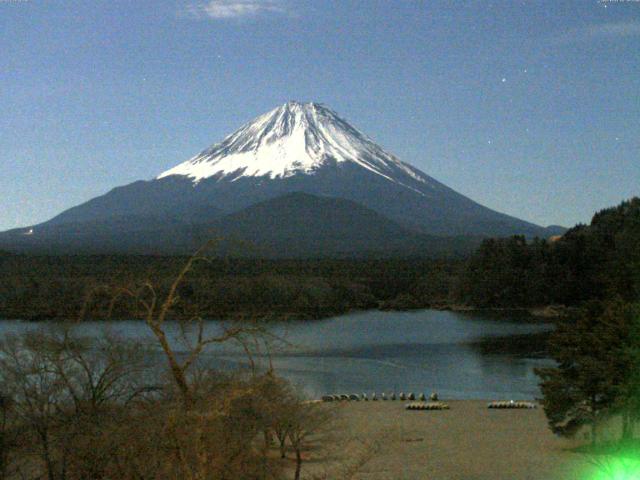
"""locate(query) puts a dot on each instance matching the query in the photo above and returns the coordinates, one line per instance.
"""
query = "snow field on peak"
(292, 139)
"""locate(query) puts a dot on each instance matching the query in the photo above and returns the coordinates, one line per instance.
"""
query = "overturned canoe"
(427, 406)
(511, 404)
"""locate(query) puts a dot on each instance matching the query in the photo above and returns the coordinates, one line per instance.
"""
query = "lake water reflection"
(374, 351)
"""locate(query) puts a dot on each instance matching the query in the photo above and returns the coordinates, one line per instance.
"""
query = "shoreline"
(381, 440)
(542, 314)
(549, 312)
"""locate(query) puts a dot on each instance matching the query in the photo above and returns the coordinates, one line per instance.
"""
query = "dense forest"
(589, 262)
(57, 287)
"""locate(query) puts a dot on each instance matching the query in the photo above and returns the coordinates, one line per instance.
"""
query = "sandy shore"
(382, 440)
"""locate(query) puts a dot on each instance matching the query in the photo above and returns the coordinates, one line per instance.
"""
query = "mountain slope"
(303, 225)
(138, 234)
(296, 225)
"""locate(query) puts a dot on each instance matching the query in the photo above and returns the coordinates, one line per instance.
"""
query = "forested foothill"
(597, 261)
(56, 287)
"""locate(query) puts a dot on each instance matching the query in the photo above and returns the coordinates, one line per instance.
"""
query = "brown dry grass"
(381, 440)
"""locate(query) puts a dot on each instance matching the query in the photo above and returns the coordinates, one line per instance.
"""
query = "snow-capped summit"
(292, 139)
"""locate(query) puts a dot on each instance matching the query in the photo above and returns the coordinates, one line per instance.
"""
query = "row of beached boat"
(427, 406)
(444, 406)
(511, 404)
(354, 397)
(420, 402)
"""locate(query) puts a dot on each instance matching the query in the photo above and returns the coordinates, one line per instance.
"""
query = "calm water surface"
(421, 351)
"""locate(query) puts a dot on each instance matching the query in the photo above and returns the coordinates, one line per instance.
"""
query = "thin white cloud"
(230, 9)
(600, 31)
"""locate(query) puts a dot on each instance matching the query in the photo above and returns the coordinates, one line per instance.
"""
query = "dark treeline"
(57, 287)
(590, 262)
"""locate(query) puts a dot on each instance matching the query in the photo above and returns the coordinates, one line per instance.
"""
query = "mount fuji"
(297, 154)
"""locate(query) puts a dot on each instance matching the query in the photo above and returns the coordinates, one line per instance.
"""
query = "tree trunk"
(594, 421)
(627, 425)
(298, 464)
(177, 372)
(283, 450)
(46, 454)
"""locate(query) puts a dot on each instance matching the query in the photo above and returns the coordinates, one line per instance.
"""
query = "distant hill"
(303, 225)
(554, 231)
(290, 226)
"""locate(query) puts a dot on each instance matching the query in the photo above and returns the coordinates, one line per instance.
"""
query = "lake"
(419, 351)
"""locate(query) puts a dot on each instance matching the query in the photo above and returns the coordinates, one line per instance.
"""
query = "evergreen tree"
(594, 367)
(629, 393)
(600, 261)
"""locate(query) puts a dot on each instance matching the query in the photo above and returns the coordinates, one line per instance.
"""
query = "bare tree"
(307, 420)
(64, 389)
(91, 411)
(36, 398)
(9, 439)
(156, 310)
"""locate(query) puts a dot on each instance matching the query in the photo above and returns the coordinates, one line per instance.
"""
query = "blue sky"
(529, 107)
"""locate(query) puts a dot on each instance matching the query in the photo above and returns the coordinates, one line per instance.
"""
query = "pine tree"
(594, 365)
(629, 392)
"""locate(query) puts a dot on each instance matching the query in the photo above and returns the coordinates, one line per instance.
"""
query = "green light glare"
(620, 467)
